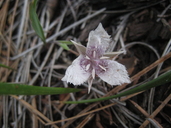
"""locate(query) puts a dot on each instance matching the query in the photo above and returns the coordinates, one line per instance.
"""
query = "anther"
(94, 54)
(104, 57)
(102, 67)
(87, 67)
(93, 73)
(87, 57)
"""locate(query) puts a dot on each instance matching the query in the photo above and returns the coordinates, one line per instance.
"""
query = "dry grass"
(45, 65)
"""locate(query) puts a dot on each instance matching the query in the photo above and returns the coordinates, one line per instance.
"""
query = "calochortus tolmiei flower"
(94, 60)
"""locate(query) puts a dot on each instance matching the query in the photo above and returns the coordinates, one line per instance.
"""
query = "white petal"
(75, 74)
(99, 37)
(115, 74)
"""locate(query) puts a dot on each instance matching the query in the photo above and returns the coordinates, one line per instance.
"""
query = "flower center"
(94, 64)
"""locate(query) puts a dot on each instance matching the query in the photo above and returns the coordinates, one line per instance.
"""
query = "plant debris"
(141, 28)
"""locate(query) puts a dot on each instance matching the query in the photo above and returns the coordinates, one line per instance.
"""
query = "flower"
(94, 61)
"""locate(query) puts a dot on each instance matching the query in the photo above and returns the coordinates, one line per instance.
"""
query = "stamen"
(94, 54)
(90, 81)
(87, 67)
(93, 73)
(102, 67)
(87, 57)
(104, 57)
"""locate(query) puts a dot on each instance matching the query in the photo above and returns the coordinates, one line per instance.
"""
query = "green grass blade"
(35, 21)
(64, 44)
(163, 79)
(4, 66)
(22, 89)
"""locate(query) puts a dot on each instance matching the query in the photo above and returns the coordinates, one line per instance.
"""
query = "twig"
(146, 122)
(152, 91)
(118, 89)
(60, 33)
(155, 123)
(86, 120)
(164, 11)
(33, 110)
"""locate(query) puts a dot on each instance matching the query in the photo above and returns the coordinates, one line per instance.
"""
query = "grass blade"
(4, 66)
(35, 21)
(22, 89)
(163, 79)
(64, 44)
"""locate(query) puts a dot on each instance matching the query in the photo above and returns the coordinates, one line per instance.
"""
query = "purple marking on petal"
(86, 64)
(100, 64)
(95, 52)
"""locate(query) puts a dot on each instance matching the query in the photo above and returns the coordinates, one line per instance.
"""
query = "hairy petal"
(99, 37)
(75, 74)
(115, 73)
